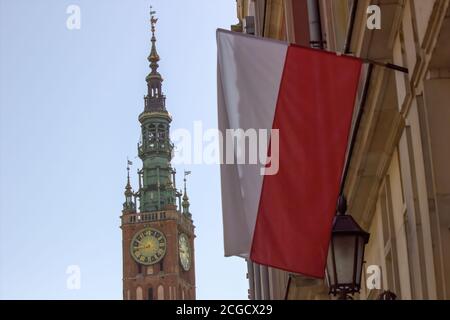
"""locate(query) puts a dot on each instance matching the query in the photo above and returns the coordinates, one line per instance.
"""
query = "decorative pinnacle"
(128, 186)
(185, 203)
(186, 173)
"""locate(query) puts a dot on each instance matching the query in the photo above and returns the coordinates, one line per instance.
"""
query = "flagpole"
(386, 65)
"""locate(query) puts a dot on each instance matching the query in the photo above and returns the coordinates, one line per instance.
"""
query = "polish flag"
(284, 219)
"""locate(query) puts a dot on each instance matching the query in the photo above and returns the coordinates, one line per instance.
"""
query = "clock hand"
(145, 246)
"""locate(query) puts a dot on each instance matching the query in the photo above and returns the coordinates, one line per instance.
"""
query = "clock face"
(184, 251)
(148, 246)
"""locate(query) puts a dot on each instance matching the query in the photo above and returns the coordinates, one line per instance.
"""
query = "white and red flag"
(284, 219)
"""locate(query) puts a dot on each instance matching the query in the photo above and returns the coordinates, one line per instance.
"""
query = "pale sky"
(69, 102)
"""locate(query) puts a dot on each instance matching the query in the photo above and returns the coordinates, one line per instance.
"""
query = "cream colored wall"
(278, 282)
(423, 11)
(400, 227)
(421, 235)
(340, 18)
(436, 133)
(374, 254)
(334, 16)
(388, 237)
(414, 189)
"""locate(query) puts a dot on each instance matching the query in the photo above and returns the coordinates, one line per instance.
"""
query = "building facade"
(158, 235)
(398, 185)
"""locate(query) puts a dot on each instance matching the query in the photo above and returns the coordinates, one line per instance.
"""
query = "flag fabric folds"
(284, 220)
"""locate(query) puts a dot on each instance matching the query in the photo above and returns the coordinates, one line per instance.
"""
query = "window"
(160, 292)
(150, 270)
(139, 293)
(390, 243)
(150, 294)
(151, 135)
(161, 132)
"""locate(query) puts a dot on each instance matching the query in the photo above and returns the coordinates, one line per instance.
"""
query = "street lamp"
(345, 254)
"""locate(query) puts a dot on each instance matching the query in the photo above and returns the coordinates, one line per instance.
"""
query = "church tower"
(158, 234)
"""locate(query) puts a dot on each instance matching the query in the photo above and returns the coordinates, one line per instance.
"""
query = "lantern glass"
(360, 261)
(331, 281)
(344, 252)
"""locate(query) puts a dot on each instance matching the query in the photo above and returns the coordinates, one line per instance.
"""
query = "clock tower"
(158, 234)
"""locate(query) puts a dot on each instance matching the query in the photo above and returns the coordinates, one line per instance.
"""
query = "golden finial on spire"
(153, 20)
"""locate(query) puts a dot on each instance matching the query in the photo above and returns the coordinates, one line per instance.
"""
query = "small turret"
(129, 205)
(185, 204)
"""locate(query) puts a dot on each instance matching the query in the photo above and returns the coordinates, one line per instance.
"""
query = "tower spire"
(155, 148)
(155, 100)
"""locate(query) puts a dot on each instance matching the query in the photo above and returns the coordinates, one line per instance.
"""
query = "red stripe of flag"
(297, 205)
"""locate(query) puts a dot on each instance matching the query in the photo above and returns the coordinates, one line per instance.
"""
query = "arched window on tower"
(161, 135)
(160, 292)
(162, 132)
(139, 293)
(152, 136)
